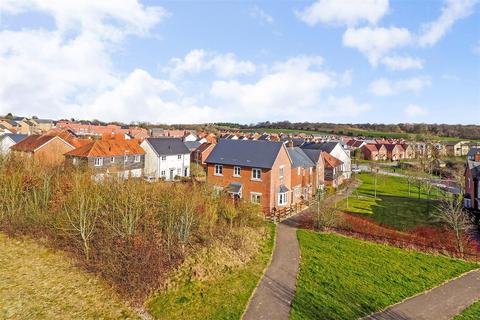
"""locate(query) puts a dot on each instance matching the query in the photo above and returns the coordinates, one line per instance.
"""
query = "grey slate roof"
(192, 145)
(324, 146)
(168, 146)
(313, 154)
(299, 158)
(15, 137)
(247, 153)
(474, 166)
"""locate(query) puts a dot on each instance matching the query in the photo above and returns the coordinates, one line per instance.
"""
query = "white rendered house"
(166, 158)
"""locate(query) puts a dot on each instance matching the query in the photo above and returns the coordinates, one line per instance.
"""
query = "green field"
(394, 206)
(223, 298)
(345, 278)
(471, 313)
(287, 131)
(38, 283)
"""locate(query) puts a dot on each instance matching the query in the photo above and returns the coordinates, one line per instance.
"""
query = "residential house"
(409, 151)
(382, 152)
(24, 126)
(192, 145)
(335, 149)
(256, 170)
(48, 149)
(369, 152)
(190, 137)
(199, 155)
(166, 158)
(10, 125)
(471, 199)
(319, 169)
(8, 140)
(333, 170)
(457, 148)
(395, 152)
(4, 130)
(41, 125)
(302, 175)
(111, 157)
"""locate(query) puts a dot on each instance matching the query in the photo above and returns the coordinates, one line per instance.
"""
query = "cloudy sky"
(242, 61)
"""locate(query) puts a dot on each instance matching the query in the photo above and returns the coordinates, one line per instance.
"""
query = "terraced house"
(256, 170)
(118, 158)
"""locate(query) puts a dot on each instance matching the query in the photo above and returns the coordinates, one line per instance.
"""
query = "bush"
(131, 232)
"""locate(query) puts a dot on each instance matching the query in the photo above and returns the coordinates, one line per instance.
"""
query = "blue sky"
(204, 61)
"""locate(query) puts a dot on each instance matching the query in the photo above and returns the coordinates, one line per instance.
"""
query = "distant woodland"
(419, 129)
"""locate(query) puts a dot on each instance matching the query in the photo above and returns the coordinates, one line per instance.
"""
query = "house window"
(255, 197)
(256, 174)
(298, 171)
(98, 162)
(218, 170)
(125, 159)
(75, 161)
(281, 172)
(179, 172)
(179, 156)
(164, 157)
(185, 172)
(112, 160)
(236, 171)
(467, 203)
(282, 198)
(162, 173)
(137, 158)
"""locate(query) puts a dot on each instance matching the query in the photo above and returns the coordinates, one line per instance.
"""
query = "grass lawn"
(37, 283)
(223, 298)
(394, 206)
(345, 278)
(471, 313)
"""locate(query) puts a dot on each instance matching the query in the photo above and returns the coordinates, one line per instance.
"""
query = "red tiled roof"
(371, 147)
(107, 148)
(330, 161)
(31, 143)
(69, 138)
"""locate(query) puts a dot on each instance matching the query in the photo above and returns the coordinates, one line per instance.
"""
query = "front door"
(171, 174)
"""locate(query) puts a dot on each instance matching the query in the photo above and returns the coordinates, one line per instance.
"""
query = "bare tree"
(326, 215)
(450, 212)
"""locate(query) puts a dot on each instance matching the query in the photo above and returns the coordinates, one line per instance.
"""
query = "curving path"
(440, 303)
(273, 297)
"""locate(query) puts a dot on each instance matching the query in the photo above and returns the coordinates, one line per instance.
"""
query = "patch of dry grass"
(37, 283)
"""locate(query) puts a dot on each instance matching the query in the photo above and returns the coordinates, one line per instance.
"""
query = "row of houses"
(472, 180)
(274, 174)
(21, 125)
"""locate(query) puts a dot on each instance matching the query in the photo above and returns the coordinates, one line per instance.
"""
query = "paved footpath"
(443, 302)
(273, 297)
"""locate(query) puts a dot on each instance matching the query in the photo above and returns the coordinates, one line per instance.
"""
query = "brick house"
(259, 171)
(319, 169)
(302, 175)
(409, 151)
(395, 152)
(369, 152)
(333, 170)
(48, 149)
(120, 158)
(457, 148)
(382, 151)
(472, 180)
(199, 155)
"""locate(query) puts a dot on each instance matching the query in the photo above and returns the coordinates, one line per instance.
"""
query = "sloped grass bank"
(38, 283)
(207, 288)
(394, 205)
(345, 278)
(471, 313)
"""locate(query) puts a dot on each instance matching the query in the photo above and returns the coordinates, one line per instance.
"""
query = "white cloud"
(402, 63)
(258, 13)
(289, 90)
(343, 12)
(105, 19)
(375, 43)
(385, 87)
(68, 72)
(196, 61)
(414, 111)
(452, 11)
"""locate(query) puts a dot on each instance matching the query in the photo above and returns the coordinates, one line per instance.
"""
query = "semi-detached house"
(256, 170)
(166, 158)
